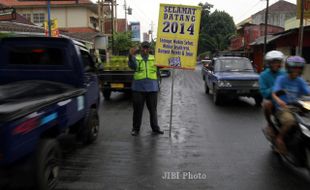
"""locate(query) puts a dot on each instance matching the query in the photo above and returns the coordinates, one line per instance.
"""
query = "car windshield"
(223, 65)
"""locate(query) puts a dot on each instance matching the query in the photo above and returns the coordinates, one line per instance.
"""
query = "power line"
(245, 13)
(144, 13)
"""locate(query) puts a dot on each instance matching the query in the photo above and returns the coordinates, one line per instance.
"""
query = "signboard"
(7, 14)
(177, 36)
(54, 28)
(135, 29)
(306, 9)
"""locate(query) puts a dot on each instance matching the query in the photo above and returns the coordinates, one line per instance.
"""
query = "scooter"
(298, 139)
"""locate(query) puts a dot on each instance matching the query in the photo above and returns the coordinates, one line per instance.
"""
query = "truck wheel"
(206, 88)
(217, 99)
(258, 100)
(47, 164)
(308, 160)
(106, 94)
(89, 128)
(168, 73)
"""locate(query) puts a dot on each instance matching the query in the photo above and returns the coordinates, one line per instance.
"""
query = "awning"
(260, 40)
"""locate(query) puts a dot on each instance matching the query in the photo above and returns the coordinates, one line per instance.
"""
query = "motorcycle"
(298, 139)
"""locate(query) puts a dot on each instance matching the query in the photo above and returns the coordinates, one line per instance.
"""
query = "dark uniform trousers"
(139, 98)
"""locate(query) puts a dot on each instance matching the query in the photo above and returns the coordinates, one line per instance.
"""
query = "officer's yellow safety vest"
(145, 69)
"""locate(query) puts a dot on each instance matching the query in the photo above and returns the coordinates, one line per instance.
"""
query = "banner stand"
(171, 102)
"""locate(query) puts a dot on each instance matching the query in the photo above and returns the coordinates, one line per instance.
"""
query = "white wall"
(77, 17)
(60, 14)
(67, 17)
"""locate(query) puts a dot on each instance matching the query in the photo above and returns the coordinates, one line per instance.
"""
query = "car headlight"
(304, 130)
(224, 84)
(255, 84)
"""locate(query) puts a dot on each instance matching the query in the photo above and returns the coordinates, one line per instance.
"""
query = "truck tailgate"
(23, 97)
(116, 76)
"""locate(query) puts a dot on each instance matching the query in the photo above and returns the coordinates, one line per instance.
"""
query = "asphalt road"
(211, 147)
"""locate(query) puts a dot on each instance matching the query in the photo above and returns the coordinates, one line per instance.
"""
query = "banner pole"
(171, 102)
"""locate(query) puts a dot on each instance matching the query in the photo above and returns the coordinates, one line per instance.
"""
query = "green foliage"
(122, 42)
(204, 54)
(3, 35)
(216, 30)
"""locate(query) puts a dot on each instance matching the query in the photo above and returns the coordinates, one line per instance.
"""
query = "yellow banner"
(306, 9)
(177, 36)
(54, 28)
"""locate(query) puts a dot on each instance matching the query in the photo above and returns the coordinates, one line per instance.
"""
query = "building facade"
(295, 23)
(248, 33)
(72, 16)
(279, 12)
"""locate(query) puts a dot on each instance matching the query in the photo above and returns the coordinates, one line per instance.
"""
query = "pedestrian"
(144, 87)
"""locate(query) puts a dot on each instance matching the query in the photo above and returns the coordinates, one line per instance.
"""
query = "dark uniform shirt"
(144, 85)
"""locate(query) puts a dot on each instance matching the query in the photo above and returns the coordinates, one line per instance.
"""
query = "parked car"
(206, 62)
(48, 89)
(164, 72)
(231, 77)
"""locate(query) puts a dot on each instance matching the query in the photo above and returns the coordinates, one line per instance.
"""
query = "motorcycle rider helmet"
(295, 62)
(273, 55)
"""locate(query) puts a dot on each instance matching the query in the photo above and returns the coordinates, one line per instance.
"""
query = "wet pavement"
(211, 147)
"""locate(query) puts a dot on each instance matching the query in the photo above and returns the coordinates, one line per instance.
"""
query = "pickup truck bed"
(23, 97)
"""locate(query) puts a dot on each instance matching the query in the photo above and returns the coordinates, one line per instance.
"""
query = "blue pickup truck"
(47, 88)
(230, 77)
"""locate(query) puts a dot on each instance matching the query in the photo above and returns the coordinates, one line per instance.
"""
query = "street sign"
(306, 9)
(177, 36)
(7, 14)
(135, 30)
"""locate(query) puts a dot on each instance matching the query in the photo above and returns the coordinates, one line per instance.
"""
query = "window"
(23, 55)
(27, 16)
(87, 61)
(38, 18)
(223, 65)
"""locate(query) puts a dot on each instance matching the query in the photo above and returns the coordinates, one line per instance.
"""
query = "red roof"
(22, 19)
(16, 3)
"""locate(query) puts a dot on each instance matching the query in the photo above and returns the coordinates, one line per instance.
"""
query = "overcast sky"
(146, 11)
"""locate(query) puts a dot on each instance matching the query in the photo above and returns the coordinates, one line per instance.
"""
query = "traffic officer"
(144, 87)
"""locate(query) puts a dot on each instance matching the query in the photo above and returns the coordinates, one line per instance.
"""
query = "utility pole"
(266, 27)
(49, 18)
(112, 25)
(127, 11)
(100, 12)
(115, 18)
(301, 29)
(151, 31)
(125, 8)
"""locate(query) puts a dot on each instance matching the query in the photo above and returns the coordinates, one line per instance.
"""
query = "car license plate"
(243, 91)
(117, 85)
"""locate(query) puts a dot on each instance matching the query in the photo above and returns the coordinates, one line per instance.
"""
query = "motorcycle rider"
(293, 87)
(274, 60)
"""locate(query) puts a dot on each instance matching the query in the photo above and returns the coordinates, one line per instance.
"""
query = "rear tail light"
(38, 51)
(26, 126)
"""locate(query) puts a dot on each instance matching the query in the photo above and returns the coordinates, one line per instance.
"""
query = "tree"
(216, 30)
(122, 43)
